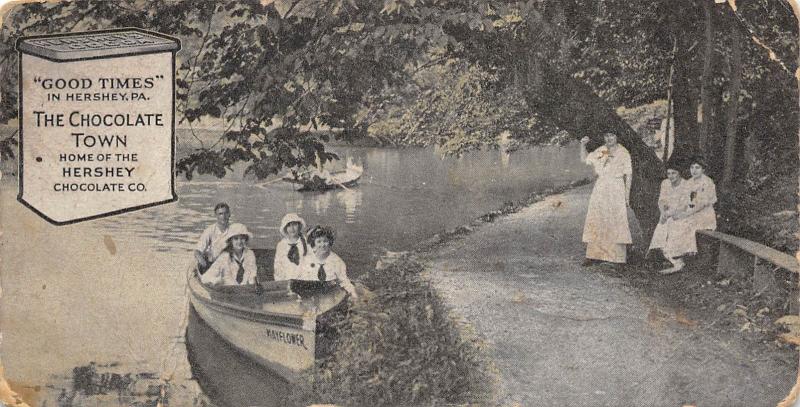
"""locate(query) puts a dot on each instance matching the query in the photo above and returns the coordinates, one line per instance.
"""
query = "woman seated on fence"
(700, 214)
(322, 264)
(237, 263)
(670, 233)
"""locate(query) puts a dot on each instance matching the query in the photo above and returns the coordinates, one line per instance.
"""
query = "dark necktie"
(294, 254)
(321, 273)
(240, 273)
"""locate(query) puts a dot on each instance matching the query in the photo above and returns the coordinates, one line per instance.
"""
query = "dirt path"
(564, 335)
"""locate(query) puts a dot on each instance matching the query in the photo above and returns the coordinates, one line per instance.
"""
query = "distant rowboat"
(322, 182)
(270, 325)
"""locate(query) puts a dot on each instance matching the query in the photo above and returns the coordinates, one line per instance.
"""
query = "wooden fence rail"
(741, 258)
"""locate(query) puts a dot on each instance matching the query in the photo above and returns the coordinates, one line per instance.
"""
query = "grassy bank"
(398, 346)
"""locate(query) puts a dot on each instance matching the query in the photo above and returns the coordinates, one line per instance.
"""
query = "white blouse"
(610, 163)
(703, 196)
(673, 200)
(226, 267)
(211, 243)
(283, 268)
(335, 270)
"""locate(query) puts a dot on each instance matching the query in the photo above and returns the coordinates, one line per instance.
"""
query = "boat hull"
(326, 187)
(275, 330)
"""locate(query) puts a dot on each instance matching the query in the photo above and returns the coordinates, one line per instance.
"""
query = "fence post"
(765, 281)
(734, 262)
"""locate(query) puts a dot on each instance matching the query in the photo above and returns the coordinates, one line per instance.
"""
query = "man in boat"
(211, 244)
(322, 264)
(319, 175)
(236, 265)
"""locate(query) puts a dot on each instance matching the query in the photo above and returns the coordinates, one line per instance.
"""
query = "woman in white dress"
(670, 233)
(322, 264)
(700, 214)
(291, 249)
(606, 232)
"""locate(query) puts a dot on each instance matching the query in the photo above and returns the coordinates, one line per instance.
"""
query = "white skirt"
(674, 237)
(607, 217)
(611, 252)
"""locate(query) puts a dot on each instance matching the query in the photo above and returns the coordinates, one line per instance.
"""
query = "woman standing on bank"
(606, 232)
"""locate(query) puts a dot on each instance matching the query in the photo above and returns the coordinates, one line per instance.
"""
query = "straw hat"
(237, 229)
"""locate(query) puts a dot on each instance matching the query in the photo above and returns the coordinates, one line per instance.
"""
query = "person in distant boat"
(322, 264)
(670, 233)
(236, 265)
(211, 243)
(606, 232)
(291, 249)
(702, 196)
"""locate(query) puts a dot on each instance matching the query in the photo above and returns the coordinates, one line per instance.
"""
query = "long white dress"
(606, 230)
(670, 236)
(702, 193)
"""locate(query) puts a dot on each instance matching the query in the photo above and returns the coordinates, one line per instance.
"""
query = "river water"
(112, 291)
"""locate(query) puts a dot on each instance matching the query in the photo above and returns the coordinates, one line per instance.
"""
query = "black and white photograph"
(399, 203)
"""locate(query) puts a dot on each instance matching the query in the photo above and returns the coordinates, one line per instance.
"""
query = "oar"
(342, 185)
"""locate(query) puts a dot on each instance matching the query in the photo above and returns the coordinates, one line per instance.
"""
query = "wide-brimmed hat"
(289, 218)
(237, 229)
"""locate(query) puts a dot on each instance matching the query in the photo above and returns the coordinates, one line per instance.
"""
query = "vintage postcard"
(399, 203)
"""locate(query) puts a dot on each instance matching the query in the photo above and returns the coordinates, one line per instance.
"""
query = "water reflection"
(505, 158)
(322, 201)
(350, 199)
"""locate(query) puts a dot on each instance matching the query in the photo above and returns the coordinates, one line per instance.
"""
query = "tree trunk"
(666, 153)
(686, 87)
(572, 105)
(665, 140)
(685, 95)
(707, 81)
(731, 124)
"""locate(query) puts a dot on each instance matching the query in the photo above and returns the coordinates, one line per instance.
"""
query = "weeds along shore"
(399, 344)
